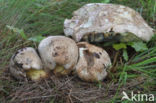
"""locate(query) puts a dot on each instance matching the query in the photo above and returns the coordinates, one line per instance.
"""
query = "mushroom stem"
(60, 70)
(35, 74)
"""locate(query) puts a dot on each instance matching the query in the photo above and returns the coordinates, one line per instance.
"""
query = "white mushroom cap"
(59, 52)
(24, 60)
(103, 18)
(93, 62)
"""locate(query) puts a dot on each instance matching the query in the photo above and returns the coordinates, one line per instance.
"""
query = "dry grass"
(68, 89)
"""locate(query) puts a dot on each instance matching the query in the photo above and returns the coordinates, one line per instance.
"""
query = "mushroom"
(93, 62)
(99, 22)
(59, 53)
(26, 63)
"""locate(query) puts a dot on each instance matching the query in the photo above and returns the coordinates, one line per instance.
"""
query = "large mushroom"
(26, 63)
(59, 53)
(98, 22)
(93, 62)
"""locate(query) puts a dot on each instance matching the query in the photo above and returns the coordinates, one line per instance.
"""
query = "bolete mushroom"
(26, 63)
(93, 62)
(99, 22)
(59, 53)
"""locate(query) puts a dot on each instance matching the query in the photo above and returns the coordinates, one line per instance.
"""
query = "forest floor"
(31, 20)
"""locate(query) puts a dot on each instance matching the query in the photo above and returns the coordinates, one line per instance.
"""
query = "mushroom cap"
(95, 18)
(93, 62)
(57, 51)
(24, 60)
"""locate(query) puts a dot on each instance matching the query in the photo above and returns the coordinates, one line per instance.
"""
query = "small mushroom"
(59, 53)
(99, 22)
(26, 63)
(93, 62)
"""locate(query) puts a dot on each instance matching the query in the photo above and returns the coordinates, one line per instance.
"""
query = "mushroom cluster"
(95, 22)
(61, 55)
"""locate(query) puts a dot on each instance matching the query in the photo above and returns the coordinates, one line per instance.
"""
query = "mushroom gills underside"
(110, 37)
(35, 74)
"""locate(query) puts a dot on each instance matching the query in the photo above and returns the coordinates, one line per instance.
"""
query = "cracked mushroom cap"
(59, 53)
(109, 20)
(26, 63)
(93, 62)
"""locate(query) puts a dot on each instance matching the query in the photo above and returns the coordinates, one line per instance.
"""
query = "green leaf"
(139, 46)
(119, 46)
(125, 55)
(105, 1)
(36, 38)
(18, 31)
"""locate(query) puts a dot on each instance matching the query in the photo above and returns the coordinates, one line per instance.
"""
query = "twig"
(69, 95)
(38, 97)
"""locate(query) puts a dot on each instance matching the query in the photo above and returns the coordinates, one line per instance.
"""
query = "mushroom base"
(36, 75)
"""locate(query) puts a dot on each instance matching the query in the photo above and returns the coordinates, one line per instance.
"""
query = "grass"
(41, 18)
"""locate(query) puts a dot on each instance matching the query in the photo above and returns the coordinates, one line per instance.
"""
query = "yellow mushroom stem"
(60, 71)
(36, 75)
